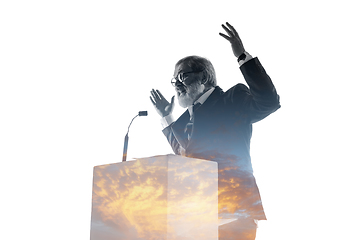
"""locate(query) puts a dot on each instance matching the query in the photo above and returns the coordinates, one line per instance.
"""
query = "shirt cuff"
(167, 120)
(247, 58)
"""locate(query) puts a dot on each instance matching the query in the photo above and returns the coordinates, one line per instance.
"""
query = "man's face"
(191, 89)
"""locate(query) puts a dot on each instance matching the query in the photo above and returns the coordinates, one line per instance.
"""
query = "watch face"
(242, 57)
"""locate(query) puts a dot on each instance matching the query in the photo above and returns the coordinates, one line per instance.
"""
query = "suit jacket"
(222, 131)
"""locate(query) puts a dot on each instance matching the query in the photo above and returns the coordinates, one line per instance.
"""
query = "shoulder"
(238, 91)
(238, 94)
(238, 88)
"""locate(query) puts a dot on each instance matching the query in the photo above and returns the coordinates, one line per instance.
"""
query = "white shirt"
(167, 120)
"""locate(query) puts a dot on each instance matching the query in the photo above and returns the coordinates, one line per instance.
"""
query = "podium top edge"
(167, 156)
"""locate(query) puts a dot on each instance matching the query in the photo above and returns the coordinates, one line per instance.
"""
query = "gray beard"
(185, 100)
(191, 96)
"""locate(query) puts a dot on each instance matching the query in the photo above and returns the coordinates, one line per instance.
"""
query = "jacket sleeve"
(170, 136)
(262, 98)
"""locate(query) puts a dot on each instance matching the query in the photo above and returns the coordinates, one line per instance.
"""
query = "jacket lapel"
(178, 128)
(179, 125)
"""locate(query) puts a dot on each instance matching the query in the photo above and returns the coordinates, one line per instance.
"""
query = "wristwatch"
(241, 57)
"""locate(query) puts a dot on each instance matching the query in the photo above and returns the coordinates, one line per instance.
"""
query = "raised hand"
(234, 39)
(162, 106)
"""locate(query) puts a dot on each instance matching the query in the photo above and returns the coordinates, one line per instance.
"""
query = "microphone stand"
(126, 140)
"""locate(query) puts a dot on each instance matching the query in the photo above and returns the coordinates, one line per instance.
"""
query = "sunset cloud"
(155, 198)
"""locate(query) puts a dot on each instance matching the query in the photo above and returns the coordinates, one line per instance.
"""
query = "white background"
(74, 73)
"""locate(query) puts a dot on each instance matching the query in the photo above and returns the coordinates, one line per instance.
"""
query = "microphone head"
(143, 113)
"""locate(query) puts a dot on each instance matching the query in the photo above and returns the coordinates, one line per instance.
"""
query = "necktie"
(190, 124)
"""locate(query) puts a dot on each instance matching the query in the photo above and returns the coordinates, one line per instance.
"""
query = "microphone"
(126, 141)
(143, 113)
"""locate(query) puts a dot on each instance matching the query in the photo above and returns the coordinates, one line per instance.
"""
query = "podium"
(162, 197)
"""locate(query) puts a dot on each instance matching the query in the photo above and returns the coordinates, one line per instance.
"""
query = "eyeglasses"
(182, 78)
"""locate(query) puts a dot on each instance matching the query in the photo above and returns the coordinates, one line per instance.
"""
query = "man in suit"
(217, 126)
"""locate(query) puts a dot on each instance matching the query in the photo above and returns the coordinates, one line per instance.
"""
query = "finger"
(232, 29)
(229, 25)
(152, 91)
(225, 36)
(227, 30)
(152, 101)
(155, 96)
(155, 93)
(161, 96)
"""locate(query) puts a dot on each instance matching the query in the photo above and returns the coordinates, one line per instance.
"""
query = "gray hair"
(197, 63)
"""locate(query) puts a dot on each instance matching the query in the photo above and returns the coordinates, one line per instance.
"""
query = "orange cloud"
(155, 197)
